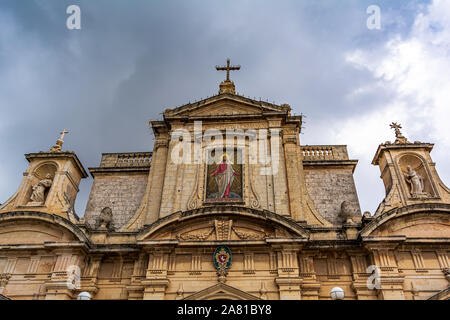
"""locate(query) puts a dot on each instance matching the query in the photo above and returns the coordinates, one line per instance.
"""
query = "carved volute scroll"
(194, 200)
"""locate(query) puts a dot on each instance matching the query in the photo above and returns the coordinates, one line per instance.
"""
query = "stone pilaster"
(389, 280)
(157, 171)
(360, 276)
(90, 275)
(65, 278)
(310, 285)
(156, 281)
(293, 173)
(136, 288)
(288, 279)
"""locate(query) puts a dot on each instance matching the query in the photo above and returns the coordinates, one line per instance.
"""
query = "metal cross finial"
(228, 68)
(63, 133)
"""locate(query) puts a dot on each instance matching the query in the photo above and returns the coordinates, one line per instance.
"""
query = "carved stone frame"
(204, 169)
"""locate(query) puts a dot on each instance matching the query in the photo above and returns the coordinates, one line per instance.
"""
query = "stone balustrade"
(324, 153)
(126, 160)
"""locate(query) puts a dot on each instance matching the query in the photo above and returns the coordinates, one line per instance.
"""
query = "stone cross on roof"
(63, 133)
(227, 68)
(58, 146)
(398, 134)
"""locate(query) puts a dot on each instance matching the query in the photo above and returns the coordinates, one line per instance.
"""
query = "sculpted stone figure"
(105, 219)
(38, 194)
(347, 212)
(416, 183)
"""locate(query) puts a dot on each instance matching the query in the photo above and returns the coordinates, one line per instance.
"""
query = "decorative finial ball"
(84, 296)
(337, 293)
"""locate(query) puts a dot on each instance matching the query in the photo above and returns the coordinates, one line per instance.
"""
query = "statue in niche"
(38, 194)
(105, 220)
(415, 182)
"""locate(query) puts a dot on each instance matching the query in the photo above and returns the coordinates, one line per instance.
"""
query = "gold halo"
(228, 158)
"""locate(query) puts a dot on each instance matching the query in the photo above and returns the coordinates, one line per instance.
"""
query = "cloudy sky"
(133, 59)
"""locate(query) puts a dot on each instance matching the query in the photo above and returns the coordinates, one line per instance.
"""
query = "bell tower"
(50, 183)
(408, 173)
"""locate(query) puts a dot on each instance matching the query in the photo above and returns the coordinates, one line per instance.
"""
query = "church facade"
(228, 205)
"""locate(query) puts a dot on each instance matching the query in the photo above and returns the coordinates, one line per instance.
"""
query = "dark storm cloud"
(133, 59)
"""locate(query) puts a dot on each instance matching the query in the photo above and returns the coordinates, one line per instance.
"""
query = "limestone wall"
(121, 191)
(328, 188)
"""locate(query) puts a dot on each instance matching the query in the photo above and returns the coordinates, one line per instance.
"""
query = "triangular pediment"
(221, 291)
(225, 105)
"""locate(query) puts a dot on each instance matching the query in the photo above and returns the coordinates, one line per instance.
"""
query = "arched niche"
(417, 164)
(39, 173)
